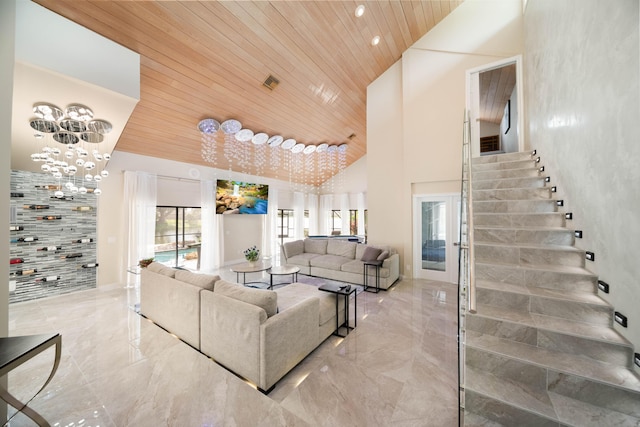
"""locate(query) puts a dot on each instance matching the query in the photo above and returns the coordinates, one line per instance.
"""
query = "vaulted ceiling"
(202, 59)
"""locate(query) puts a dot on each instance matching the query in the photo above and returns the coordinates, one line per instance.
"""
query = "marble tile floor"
(397, 368)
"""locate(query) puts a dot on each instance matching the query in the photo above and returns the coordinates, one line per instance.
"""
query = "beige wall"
(415, 113)
(582, 75)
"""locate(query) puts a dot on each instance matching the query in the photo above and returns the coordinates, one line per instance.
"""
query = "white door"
(436, 234)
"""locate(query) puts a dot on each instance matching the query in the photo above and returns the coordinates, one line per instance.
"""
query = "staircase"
(541, 349)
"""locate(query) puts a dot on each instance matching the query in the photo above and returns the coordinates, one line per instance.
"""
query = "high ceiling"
(203, 59)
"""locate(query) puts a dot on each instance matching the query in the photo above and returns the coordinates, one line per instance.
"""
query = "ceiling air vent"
(271, 82)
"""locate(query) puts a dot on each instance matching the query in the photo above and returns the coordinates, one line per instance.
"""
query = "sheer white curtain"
(211, 249)
(140, 195)
(298, 215)
(312, 206)
(270, 246)
(324, 224)
(362, 205)
(344, 213)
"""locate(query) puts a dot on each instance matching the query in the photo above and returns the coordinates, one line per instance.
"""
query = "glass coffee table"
(250, 267)
(283, 270)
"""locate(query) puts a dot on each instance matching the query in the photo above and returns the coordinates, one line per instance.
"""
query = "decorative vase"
(252, 263)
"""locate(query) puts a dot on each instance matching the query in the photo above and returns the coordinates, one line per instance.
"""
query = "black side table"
(345, 291)
(376, 265)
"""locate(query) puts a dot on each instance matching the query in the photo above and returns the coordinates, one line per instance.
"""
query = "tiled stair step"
(510, 402)
(601, 343)
(531, 171)
(541, 219)
(571, 305)
(557, 278)
(517, 164)
(527, 182)
(506, 157)
(615, 376)
(548, 236)
(514, 206)
(529, 253)
(511, 194)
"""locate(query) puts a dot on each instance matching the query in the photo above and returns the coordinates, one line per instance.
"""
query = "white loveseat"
(258, 334)
(341, 260)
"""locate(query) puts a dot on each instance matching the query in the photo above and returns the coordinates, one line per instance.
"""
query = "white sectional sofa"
(258, 334)
(341, 260)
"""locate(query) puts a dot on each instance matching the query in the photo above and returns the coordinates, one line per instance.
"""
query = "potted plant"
(143, 263)
(252, 254)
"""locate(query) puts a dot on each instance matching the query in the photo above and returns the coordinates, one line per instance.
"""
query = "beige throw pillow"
(371, 254)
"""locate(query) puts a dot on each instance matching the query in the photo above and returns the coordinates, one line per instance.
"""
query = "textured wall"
(60, 233)
(581, 75)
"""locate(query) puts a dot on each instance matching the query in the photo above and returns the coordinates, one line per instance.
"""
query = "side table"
(376, 266)
(283, 270)
(345, 291)
(14, 351)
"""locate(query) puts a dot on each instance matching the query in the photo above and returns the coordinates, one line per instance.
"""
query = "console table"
(14, 351)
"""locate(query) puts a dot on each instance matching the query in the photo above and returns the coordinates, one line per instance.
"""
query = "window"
(336, 222)
(177, 238)
(285, 225)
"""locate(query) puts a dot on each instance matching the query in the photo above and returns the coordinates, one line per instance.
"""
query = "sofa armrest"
(287, 338)
(230, 333)
(393, 264)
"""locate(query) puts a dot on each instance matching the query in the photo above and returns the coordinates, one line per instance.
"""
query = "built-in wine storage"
(54, 238)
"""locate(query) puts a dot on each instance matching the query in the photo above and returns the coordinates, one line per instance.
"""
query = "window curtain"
(298, 215)
(270, 246)
(324, 220)
(361, 208)
(140, 195)
(312, 205)
(211, 249)
(344, 213)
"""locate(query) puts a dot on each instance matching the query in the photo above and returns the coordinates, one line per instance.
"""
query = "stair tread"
(512, 392)
(554, 324)
(576, 413)
(523, 227)
(565, 248)
(517, 213)
(566, 295)
(612, 375)
(546, 267)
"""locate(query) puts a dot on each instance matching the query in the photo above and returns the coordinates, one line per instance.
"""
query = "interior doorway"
(494, 101)
(436, 233)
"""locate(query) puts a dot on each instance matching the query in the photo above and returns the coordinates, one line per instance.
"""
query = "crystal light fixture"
(61, 139)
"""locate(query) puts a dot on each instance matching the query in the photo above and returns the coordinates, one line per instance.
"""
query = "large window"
(336, 222)
(178, 231)
(286, 225)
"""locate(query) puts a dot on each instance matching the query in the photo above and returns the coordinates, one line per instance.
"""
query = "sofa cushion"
(383, 255)
(331, 262)
(292, 294)
(357, 267)
(302, 260)
(267, 300)
(204, 281)
(292, 249)
(342, 248)
(156, 267)
(371, 254)
(315, 246)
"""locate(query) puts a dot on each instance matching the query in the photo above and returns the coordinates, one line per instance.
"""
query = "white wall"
(489, 129)
(582, 72)
(415, 113)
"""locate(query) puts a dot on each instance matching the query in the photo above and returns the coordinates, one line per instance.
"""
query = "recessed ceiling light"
(359, 11)
(375, 41)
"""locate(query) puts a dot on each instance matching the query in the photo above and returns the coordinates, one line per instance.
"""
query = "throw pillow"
(204, 281)
(383, 255)
(156, 267)
(371, 254)
(263, 298)
(292, 249)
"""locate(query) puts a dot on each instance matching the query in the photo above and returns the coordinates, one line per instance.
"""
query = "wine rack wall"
(52, 240)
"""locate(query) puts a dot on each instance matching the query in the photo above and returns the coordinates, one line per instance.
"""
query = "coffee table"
(283, 270)
(345, 291)
(250, 267)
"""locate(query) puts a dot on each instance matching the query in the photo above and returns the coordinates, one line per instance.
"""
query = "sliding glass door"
(178, 232)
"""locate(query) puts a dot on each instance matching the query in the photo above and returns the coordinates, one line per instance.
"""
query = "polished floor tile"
(397, 368)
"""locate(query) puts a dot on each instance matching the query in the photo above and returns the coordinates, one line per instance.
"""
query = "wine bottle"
(71, 256)
(25, 272)
(16, 228)
(35, 207)
(16, 261)
(48, 279)
(50, 248)
(82, 208)
(17, 194)
(85, 240)
(24, 239)
(92, 265)
(49, 187)
(49, 217)
(66, 198)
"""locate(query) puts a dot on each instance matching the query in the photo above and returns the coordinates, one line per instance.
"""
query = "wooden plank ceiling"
(496, 87)
(202, 59)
